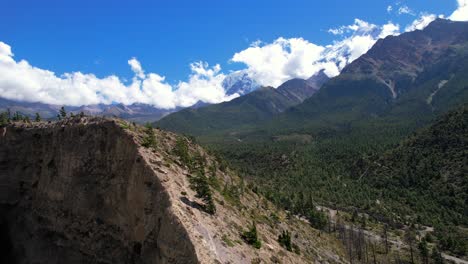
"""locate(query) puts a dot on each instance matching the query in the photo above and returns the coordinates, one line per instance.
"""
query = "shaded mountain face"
(243, 111)
(318, 79)
(406, 79)
(139, 113)
(397, 61)
(403, 80)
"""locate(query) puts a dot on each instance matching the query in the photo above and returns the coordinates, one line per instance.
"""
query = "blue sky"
(166, 37)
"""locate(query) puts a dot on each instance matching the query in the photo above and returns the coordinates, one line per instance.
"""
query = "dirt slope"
(85, 190)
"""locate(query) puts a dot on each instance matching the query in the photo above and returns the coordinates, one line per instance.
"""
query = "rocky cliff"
(85, 190)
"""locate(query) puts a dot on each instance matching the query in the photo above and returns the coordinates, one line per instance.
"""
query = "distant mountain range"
(405, 79)
(411, 77)
(244, 111)
(366, 141)
(139, 113)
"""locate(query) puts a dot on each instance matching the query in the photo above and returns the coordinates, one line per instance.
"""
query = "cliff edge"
(94, 190)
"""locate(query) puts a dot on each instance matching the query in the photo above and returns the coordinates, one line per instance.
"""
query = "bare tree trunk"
(411, 253)
(385, 237)
(366, 252)
(373, 253)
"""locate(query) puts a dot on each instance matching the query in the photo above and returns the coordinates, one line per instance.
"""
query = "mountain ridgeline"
(349, 145)
(402, 81)
(245, 111)
(367, 167)
(139, 113)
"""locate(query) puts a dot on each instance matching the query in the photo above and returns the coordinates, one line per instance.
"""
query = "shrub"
(317, 218)
(284, 239)
(4, 119)
(251, 237)
(227, 241)
(149, 140)
(63, 113)
(182, 151)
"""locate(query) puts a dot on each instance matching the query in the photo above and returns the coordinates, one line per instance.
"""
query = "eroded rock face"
(81, 193)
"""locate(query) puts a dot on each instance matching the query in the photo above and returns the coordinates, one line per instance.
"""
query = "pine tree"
(149, 140)
(63, 113)
(37, 118)
(17, 116)
(4, 118)
(437, 257)
(200, 184)
(251, 237)
(410, 239)
(424, 252)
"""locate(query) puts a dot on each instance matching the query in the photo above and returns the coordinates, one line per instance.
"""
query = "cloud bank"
(461, 14)
(271, 64)
(267, 64)
(21, 81)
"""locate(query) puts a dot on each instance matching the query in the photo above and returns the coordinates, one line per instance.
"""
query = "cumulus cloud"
(461, 13)
(21, 81)
(359, 26)
(267, 64)
(421, 22)
(5, 52)
(389, 9)
(405, 10)
(205, 84)
(389, 29)
(136, 68)
(271, 64)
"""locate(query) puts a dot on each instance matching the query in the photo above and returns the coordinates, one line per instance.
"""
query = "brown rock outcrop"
(81, 193)
(85, 190)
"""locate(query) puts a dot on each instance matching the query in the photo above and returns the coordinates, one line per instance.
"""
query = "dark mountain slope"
(402, 81)
(400, 84)
(426, 173)
(310, 150)
(244, 111)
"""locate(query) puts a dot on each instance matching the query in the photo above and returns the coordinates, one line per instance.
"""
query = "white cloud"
(5, 52)
(461, 14)
(359, 26)
(405, 10)
(205, 84)
(389, 29)
(271, 64)
(421, 22)
(336, 31)
(136, 68)
(268, 64)
(21, 81)
(389, 9)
